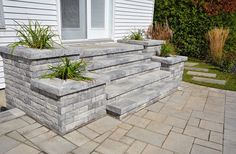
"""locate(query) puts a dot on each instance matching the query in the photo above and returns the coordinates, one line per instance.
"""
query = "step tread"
(104, 62)
(208, 80)
(132, 69)
(124, 86)
(140, 97)
(211, 75)
(196, 69)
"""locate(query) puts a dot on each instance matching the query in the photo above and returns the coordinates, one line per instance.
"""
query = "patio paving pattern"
(196, 120)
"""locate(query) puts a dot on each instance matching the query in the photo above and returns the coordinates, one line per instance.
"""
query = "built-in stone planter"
(150, 46)
(173, 64)
(60, 105)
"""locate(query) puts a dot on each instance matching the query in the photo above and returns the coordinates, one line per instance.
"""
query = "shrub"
(190, 23)
(69, 70)
(228, 62)
(167, 49)
(135, 35)
(159, 31)
(34, 35)
(217, 38)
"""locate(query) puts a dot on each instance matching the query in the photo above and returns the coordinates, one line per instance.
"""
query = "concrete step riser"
(114, 55)
(116, 66)
(102, 63)
(125, 86)
(142, 87)
(134, 75)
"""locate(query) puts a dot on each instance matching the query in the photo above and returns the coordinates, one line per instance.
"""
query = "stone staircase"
(133, 80)
(126, 78)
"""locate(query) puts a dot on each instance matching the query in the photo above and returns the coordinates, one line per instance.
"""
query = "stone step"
(101, 63)
(141, 98)
(132, 69)
(211, 75)
(125, 86)
(208, 80)
(196, 69)
(190, 64)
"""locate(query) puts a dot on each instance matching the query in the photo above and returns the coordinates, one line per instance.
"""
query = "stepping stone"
(196, 69)
(207, 80)
(190, 64)
(211, 75)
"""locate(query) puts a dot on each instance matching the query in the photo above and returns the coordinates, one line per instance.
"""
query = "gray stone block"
(211, 75)
(145, 43)
(170, 60)
(208, 80)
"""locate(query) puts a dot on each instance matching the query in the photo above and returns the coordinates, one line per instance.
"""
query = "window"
(98, 13)
(70, 13)
(2, 21)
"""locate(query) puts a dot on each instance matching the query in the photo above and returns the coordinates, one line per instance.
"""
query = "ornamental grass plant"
(159, 31)
(217, 38)
(135, 35)
(69, 70)
(34, 35)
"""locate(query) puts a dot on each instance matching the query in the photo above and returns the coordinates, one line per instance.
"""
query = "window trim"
(2, 19)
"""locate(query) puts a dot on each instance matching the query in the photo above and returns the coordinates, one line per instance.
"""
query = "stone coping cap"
(170, 60)
(71, 50)
(61, 88)
(143, 42)
(106, 48)
(30, 53)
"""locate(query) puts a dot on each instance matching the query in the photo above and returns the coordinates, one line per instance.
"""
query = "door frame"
(59, 24)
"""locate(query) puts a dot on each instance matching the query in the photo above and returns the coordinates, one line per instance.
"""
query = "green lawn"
(230, 78)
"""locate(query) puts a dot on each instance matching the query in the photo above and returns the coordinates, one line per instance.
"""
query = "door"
(73, 17)
(99, 19)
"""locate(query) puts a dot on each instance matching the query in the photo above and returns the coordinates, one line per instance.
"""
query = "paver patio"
(194, 120)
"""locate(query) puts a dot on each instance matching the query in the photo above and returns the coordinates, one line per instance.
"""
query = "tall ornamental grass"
(217, 38)
(34, 35)
(69, 70)
(159, 31)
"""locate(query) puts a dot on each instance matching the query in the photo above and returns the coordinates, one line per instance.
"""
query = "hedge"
(190, 24)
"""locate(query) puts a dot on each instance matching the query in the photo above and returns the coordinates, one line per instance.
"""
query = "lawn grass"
(229, 77)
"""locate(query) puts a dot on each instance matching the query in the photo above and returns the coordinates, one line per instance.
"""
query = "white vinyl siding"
(2, 80)
(45, 11)
(2, 21)
(131, 14)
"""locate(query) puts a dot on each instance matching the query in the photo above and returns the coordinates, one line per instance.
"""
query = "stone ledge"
(107, 48)
(71, 50)
(170, 60)
(59, 88)
(34, 54)
(145, 43)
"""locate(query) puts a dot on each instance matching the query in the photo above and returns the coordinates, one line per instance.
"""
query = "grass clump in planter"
(135, 35)
(69, 70)
(167, 50)
(34, 35)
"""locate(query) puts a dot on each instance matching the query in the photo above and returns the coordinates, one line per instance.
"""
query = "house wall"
(45, 11)
(131, 14)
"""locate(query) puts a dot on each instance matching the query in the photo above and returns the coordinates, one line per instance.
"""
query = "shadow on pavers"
(2, 98)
